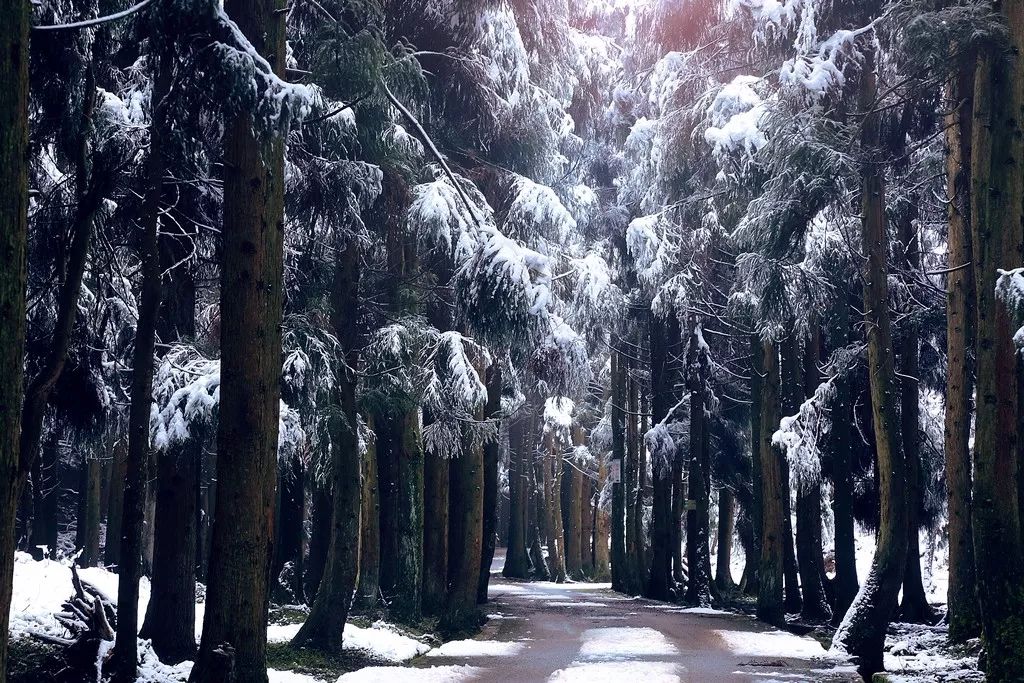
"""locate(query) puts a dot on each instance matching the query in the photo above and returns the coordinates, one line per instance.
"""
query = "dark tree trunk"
(14, 32)
(602, 527)
(466, 541)
(750, 574)
(125, 658)
(962, 604)
(634, 490)
(914, 608)
(517, 563)
(436, 476)
(726, 525)
(323, 627)
(492, 454)
(118, 470)
(319, 536)
(811, 557)
(551, 483)
(660, 582)
(585, 502)
(996, 209)
(87, 531)
(862, 632)
(369, 530)
(46, 495)
(535, 522)
(791, 391)
(171, 614)
(770, 598)
(251, 302)
(619, 565)
(698, 517)
(845, 583)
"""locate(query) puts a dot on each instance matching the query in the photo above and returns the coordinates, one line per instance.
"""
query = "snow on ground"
(398, 674)
(477, 648)
(772, 644)
(382, 640)
(615, 672)
(570, 603)
(919, 653)
(622, 643)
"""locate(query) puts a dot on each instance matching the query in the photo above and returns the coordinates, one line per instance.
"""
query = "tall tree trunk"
(118, 471)
(465, 545)
(87, 536)
(251, 302)
(862, 631)
(961, 601)
(726, 525)
(997, 183)
(323, 627)
(619, 564)
(602, 527)
(698, 514)
(492, 454)
(319, 534)
(572, 486)
(770, 598)
(125, 658)
(14, 32)
(845, 582)
(635, 540)
(46, 496)
(585, 502)
(914, 608)
(791, 392)
(551, 478)
(171, 614)
(660, 582)
(810, 554)
(435, 532)
(517, 563)
(750, 583)
(369, 529)
(536, 521)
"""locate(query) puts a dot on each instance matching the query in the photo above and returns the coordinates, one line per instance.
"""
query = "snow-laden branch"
(85, 23)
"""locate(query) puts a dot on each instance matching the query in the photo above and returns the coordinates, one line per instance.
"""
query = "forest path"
(542, 631)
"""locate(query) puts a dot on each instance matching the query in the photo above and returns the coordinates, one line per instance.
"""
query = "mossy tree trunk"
(325, 624)
(962, 604)
(862, 631)
(996, 215)
(247, 423)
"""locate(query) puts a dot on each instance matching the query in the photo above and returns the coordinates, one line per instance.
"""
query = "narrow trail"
(584, 632)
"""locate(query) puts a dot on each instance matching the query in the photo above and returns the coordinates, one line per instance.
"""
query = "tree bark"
(585, 502)
(551, 478)
(791, 392)
(286, 587)
(660, 582)
(862, 631)
(124, 661)
(369, 529)
(323, 627)
(14, 41)
(251, 302)
(845, 583)
(87, 536)
(517, 562)
(619, 565)
(961, 602)
(810, 554)
(914, 608)
(46, 496)
(602, 527)
(997, 180)
(698, 514)
(435, 532)
(112, 550)
(726, 525)
(466, 541)
(757, 372)
(770, 598)
(492, 454)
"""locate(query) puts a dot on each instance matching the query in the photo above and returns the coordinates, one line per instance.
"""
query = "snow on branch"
(504, 289)
(801, 434)
(736, 118)
(439, 215)
(557, 421)
(662, 447)
(537, 211)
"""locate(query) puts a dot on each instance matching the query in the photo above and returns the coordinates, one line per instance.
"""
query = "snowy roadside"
(40, 588)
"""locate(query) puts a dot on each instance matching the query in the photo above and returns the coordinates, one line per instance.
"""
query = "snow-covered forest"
(314, 311)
